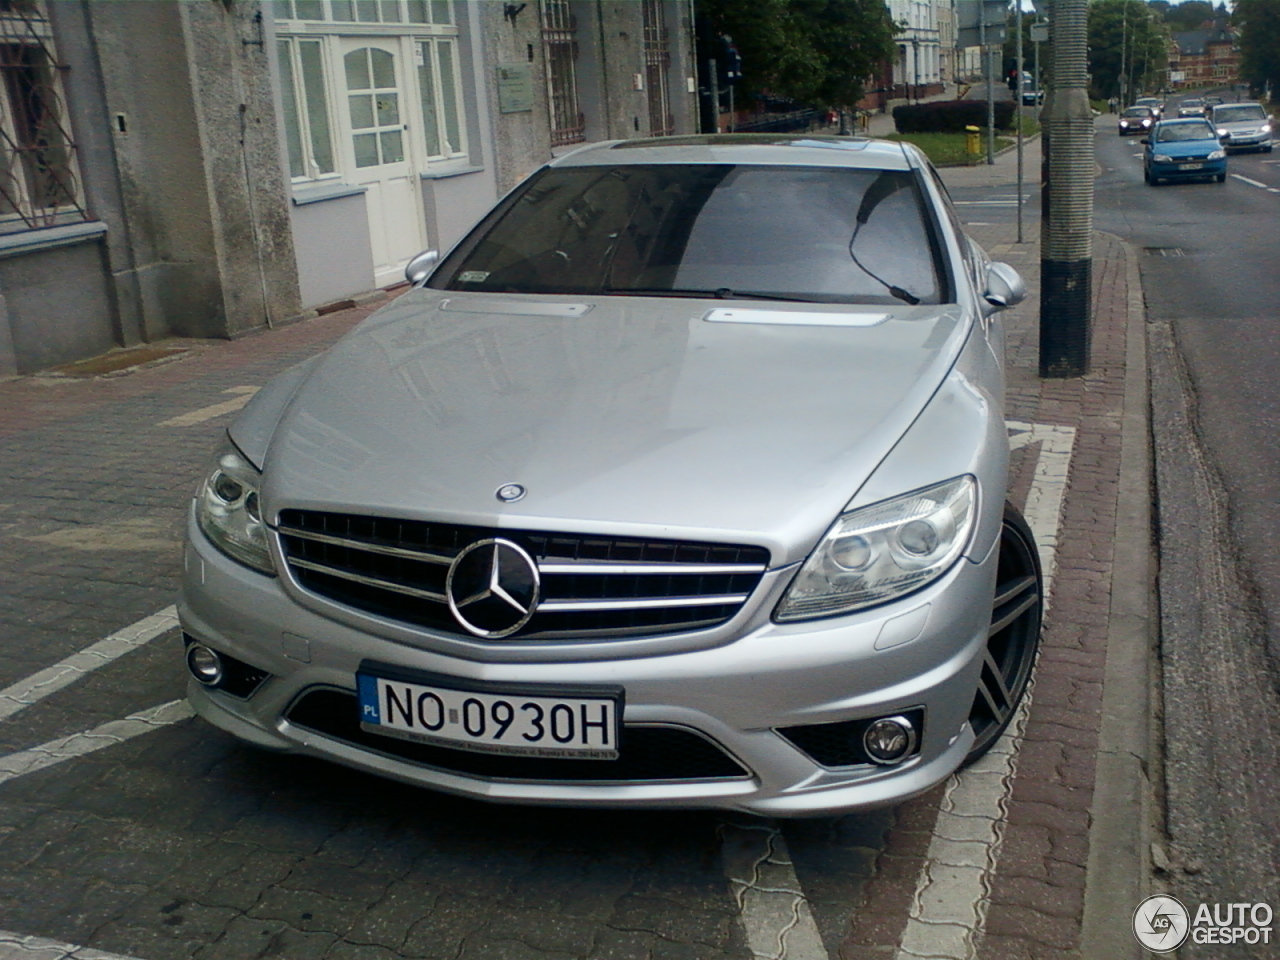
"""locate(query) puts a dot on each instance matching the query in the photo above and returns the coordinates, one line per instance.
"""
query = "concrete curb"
(1118, 872)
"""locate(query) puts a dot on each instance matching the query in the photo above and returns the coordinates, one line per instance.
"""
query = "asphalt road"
(1208, 256)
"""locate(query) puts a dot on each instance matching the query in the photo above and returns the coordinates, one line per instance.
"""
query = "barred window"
(39, 181)
(561, 47)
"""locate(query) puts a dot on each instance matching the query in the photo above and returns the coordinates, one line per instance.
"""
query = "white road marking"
(1252, 183)
(14, 946)
(949, 909)
(775, 914)
(89, 741)
(36, 687)
(214, 410)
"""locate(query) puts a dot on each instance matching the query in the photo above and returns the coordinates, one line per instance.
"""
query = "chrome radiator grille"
(591, 587)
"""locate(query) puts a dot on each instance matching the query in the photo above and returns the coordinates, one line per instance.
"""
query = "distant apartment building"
(1205, 57)
(917, 69)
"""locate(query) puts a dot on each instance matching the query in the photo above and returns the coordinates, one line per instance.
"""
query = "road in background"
(1208, 253)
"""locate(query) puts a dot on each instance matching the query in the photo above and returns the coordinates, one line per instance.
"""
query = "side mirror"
(420, 267)
(1225, 139)
(1145, 140)
(1005, 287)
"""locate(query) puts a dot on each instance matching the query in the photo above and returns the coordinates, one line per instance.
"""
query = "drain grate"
(1164, 251)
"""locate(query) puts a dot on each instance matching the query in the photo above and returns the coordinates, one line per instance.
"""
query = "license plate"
(1190, 166)
(517, 724)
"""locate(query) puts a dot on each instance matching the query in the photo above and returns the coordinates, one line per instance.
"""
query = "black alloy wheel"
(1014, 635)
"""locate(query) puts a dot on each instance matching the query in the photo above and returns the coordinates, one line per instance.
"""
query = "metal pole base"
(1066, 289)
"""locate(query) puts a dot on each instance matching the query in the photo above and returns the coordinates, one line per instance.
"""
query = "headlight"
(1217, 155)
(883, 551)
(1146, 123)
(228, 511)
(1161, 158)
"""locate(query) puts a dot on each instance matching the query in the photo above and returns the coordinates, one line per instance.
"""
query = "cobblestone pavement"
(128, 827)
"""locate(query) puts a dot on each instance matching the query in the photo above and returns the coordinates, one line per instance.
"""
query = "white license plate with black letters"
(581, 727)
(1190, 166)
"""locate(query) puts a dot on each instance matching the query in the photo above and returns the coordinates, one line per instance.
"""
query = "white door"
(378, 145)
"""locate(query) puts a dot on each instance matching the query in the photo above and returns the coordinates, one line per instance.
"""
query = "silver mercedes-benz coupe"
(679, 482)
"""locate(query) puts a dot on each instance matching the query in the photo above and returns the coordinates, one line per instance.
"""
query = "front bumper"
(1173, 171)
(1255, 142)
(737, 694)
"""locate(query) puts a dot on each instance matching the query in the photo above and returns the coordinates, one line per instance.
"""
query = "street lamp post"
(915, 63)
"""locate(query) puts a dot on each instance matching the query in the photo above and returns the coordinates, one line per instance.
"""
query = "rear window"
(821, 234)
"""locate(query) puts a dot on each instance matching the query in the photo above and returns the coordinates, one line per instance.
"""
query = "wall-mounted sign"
(515, 87)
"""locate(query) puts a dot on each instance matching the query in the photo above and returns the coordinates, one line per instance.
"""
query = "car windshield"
(822, 234)
(1137, 112)
(1193, 103)
(1249, 111)
(1185, 131)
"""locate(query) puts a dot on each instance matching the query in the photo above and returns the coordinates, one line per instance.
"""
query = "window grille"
(561, 48)
(39, 181)
(657, 61)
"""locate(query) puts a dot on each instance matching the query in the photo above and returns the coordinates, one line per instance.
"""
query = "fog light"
(205, 664)
(889, 740)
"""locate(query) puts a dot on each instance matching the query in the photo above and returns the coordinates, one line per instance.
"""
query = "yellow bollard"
(972, 143)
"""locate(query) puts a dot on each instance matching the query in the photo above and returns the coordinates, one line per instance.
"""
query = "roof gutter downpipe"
(1066, 232)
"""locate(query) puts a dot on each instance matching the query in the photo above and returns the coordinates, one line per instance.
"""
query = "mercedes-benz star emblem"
(511, 492)
(492, 588)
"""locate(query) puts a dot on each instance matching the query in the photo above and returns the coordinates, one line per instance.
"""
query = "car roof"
(800, 149)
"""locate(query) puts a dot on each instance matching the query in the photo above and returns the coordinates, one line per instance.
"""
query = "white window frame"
(304, 117)
(426, 54)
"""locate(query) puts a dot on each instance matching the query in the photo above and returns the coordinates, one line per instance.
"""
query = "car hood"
(626, 416)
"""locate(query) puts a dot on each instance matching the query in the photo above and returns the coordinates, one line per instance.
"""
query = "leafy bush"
(949, 116)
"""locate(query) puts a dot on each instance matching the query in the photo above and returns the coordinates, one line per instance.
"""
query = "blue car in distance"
(1183, 150)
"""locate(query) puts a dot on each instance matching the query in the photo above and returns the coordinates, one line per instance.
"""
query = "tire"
(1221, 178)
(1014, 636)
(1146, 174)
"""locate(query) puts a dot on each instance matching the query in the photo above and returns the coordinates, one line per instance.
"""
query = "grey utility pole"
(1066, 232)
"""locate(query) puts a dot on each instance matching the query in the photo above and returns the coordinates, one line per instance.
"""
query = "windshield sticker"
(473, 276)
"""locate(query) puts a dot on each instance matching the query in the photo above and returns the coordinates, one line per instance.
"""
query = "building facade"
(917, 69)
(1204, 58)
(210, 167)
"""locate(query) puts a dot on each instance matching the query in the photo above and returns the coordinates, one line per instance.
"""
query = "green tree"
(1188, 15)
(820, 52)
(1125, 35)
(1259, 23)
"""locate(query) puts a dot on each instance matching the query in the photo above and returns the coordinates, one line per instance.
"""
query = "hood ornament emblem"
(511, 492)
(492, 588)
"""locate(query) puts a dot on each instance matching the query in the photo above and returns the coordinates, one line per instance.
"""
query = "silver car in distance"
(679, 482)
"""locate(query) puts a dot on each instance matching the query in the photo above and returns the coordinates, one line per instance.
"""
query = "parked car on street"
(1183, 150)
(679, 482)
(1245, 126)
(1135, 120)
(1191, 108)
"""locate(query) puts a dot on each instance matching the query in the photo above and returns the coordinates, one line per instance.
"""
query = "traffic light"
(729, 61)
